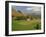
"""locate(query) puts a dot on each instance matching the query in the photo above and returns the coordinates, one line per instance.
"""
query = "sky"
(28, 9)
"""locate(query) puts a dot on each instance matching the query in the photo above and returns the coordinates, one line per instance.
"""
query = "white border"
(28, 31)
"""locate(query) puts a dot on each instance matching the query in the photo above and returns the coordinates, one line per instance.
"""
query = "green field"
(18, 25)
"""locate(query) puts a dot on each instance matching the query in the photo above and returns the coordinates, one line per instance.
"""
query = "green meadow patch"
(18, 25)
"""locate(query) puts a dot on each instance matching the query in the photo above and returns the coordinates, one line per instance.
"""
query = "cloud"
(28, 8)
(36, 8)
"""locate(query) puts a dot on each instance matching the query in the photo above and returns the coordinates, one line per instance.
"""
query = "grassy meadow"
(26, 25)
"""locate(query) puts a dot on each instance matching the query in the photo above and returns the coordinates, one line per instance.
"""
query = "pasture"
(18, 25)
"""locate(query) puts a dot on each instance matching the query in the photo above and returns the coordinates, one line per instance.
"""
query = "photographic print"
(25, 18)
